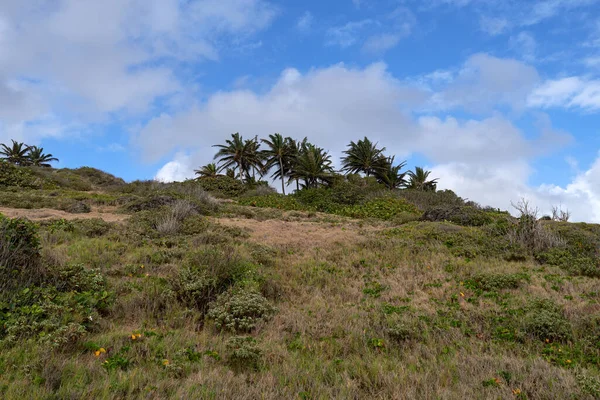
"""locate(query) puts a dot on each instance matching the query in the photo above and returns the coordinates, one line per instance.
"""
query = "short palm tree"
(37, 157)
(363, 156)
(17, 154)
(231, 154)
(313, 166)
(390, 175)
(252, 159)
(419, 180)
(208, 171)
(278, 155)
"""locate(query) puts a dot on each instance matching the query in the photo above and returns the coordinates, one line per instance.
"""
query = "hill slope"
(188, 296)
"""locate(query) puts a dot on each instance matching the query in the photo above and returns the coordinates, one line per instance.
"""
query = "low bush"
(545, 320)
(460, 215)
(240, 310)
(492, 282)
(243, 353)
(11, 175)
(20, 262)
(222, 185)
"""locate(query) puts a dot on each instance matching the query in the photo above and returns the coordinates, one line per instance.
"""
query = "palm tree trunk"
(281, 173)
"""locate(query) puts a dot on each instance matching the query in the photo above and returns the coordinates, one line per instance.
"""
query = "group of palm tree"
(303, 162)
(23, 155)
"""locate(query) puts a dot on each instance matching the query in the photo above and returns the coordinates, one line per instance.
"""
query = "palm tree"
(289, 167)
(278, 155)
(389, 174)
(208, 171)
(232, 153)
(418, 180)
(37, 157)
(363, 156)
(252, 159)
(17, 154)
(313, 166)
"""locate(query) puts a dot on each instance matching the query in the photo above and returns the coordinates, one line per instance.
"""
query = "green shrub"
(491, 282)
(207, 274)
(426, 200)
(93, 227)
(240, 310)
(400, 332)
(385, 208)
(460, 215)
(243, 353)
(575, 264)
(281, 202)
(223, 185)
(11, 175)
(19, 253)
(545, 320)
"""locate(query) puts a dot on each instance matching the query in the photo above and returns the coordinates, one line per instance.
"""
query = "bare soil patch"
(41, 214)
(295, 233)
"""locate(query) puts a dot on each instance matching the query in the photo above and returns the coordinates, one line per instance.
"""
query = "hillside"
(215, 289)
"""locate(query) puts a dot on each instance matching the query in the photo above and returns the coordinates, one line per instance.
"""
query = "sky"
(500, 99)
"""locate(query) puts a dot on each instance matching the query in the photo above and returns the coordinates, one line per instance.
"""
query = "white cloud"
(381, 43)
(305, 22)
(525, 44)
(493, 25)
(179, 169)
(486, 82)
(83, 60)
(345, 35)
(570, 92)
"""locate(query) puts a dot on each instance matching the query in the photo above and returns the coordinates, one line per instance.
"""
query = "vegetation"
(220, 288)
(21, 154)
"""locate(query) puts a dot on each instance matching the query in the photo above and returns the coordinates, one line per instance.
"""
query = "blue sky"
(501, 99)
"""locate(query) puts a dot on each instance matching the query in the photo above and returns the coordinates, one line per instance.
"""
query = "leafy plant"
(240, 310)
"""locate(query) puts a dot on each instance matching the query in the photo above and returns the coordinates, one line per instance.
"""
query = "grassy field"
(322, 295)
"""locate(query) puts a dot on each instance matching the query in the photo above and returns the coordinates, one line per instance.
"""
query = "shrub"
(240, 310)
(460, 215)
(209, 274)
(244, 353)
(545, 320)
(530, 232)
(19, 253)
(223, 185)
(426, 200)
(94, 227)
(78, 207)
(399, 332)
(11, 175)
(491, 282)
(385, 208)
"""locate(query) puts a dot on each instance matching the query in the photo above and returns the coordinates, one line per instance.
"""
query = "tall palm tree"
(278, 154)
(17, 154)
(389, 174)
(313, 166)
(37, 157)
(207, 171)
(289, 167)
(419, 180)
(232, 153)
(363, 156)
(252, 159)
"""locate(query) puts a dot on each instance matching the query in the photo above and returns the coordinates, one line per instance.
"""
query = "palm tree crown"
(208, 171)
(419, 180)
(363, 156)
(278, 154)
(37, 157)
(231, 154)
(390, 175)
(17, 154)
(312, 165)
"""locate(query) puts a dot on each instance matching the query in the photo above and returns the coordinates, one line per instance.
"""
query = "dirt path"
(294, 233)
(41, 214)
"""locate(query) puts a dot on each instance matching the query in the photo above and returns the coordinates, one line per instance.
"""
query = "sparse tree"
(558, 214)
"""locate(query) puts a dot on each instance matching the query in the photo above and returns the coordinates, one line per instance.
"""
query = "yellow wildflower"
(133, 337)
(101, 350)
(142, 266)
(462, 294)
(568, 361)
(516, 391)
(165, 362)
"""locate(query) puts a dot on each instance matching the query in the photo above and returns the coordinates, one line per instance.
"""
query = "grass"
(229, 304)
